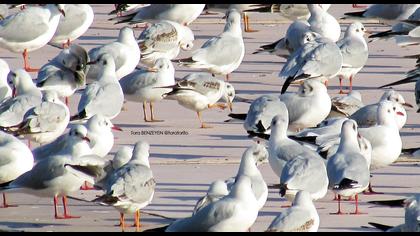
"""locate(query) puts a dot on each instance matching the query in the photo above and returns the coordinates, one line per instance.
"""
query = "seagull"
(12, 110)
(125, 52)
(66, 144)
(5, 90)
(200, 91)
(347, 105)
(296, 36)
(79, 17)
(248, 167)
(323, 23)
(302, 216)
(355, 53)
(57, 175)
(121, 157)
(184, 14)
(305, 171)
(217, 190)
(30, 29)
(261, 113)
(46, 121)
(307, 107)
(367, 115)
(235, 212)
(15, 159)
(95, 98)
(65, 73)
(385, 13)
(148, 85)
(281, 148)
(164, 39)
(348, 169)
(320, 59)
(411, 217)
(132, 186)
(221, 54)
(100, 135)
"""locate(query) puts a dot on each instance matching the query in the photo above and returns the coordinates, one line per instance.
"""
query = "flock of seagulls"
(312, 142)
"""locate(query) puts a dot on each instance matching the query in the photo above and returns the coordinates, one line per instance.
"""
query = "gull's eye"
(389, 111)
(394, 108)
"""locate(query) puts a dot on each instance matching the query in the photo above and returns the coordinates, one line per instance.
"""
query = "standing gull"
(164, 39)
(200, 91)
(147, 85)
(132, 186)
(95, 98)
(348, 169)
(15, 159)
(125, 52)
(386, 13)
(323, 22)
(78, 19)
(30, 29)
(302, 216)
(221, 54)
(320, 59)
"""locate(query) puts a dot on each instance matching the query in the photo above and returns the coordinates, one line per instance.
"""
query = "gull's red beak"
(400, 113)
(116, 128)
(86, 139)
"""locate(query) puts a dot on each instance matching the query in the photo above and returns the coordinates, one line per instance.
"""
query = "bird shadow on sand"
(88, 37)
(20, 225)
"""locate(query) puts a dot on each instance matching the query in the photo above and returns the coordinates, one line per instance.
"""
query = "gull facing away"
(302, 216)
(164, 39)
(317, 59)
(348, 169)
(354, 50)
(132, 186)
(222, 54)
(183, 14)
(149, 85)
(95, 98)
(46, 121)
(65, 73)
(79, 17)
(58, 175)
(200, 91)
(125, 52)
(15, 159)
(30, 29)
(235, 212)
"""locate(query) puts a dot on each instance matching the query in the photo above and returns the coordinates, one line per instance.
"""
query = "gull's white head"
(279, 125)
(302, 198)
(388, 113)
(49, 96)
(392, 95)
(122, 156)
(141, 153)
(186, 42)
(79, 132)
(229, 94)
(163, 65)
(356, 28)
(309, 37)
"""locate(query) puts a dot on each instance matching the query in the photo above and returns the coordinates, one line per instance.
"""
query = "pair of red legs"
(216, 105)
(66, 212)
(246, 24)
(5, 205)
(341, 85)
(356, 211)
(136, 221)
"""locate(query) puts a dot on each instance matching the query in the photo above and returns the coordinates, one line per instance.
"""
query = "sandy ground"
(185, 165)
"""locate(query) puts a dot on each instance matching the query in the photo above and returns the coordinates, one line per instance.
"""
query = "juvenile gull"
(164, 39)
(302, 216)
(346, 105)
(200, 91)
